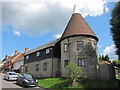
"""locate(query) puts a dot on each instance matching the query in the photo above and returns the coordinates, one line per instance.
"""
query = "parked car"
(26, 80)
(11, 76)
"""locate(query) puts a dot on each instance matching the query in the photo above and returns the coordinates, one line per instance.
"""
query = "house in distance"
(78, 44)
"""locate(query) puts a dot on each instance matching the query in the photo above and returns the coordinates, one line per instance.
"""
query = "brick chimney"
(16, 52)
(26, 50)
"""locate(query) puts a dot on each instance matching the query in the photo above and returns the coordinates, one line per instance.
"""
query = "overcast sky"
(43, 20)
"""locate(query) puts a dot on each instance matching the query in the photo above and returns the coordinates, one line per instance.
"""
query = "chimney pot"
(16, 52)
(26, 50)
(6, 56)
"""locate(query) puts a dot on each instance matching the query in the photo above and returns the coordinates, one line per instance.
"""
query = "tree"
(115, 29)
(104, 58)
(107, 58)
(75, 71)
(100, 58)
(117, 64)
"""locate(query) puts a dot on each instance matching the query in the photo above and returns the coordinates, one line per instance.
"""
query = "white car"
(11, 76)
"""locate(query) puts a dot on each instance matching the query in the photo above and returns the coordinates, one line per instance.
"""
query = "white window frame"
(47, 50)
(38, 54)
(79, 45)
(65, 47)
(27, 57)
(81, 62)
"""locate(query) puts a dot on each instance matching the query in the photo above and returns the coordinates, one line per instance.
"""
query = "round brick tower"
(79, 45)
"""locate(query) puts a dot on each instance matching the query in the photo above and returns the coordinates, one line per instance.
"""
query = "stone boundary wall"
(106, 72)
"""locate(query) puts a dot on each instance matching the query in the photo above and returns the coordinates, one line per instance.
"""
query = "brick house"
(15, 62)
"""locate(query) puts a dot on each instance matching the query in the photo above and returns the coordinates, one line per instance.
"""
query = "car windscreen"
(12, 73)
(28, 76)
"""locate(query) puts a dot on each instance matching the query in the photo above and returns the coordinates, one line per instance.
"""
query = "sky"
(31, 23)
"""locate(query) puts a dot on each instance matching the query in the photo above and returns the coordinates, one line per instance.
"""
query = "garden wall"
(106, 72)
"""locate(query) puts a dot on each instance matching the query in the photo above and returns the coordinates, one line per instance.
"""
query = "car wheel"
(8, 78)
(23, 84)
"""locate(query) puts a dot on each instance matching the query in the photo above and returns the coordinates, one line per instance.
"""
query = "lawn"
(51, 82)
(58, 83)
(118, 77)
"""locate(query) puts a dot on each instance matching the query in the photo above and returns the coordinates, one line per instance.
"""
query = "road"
(12, 84)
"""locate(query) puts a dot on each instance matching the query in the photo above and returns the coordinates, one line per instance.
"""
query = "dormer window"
(38, 54)
(65, 47)
(27, 57)
(79, 45)
(47, 51)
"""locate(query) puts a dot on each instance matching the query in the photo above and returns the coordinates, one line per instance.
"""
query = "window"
(27, 57)
(45, 67)
(65, 47)
(47, 51)
(38, 54)
(81, 62)
(79, 45)
(21, 76)
(65, 63)
(94, 45)
(37, 67)
(26, 68)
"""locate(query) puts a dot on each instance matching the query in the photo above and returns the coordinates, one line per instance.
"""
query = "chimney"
(6, 57)
(26, 50)
(16, 52)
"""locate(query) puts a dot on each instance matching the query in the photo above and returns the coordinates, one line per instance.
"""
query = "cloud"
(111, 0)
(17, 33)
(99, 46)
(57, 36)
(110, 51)
(37, 18)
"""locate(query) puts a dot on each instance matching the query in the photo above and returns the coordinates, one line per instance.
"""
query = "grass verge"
(118, 77)
(60, 83)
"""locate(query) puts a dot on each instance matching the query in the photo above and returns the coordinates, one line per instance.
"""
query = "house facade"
(18, 64)
(15, 62)
(9, 60)
(78, 44)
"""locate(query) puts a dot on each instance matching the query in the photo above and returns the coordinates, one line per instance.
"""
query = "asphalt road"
(12, 84)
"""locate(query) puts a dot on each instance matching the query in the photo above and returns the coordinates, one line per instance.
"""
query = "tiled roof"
(52, 43)
(77, 26)
(20, 58)
(104, 62)
(10, 58)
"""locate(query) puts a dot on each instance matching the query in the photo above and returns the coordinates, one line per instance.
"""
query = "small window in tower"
(65, 63)
(81, 62)
(45, 67)
(79, 45)
(47, 50)
(65, 47)
(94, 45)
(38, 54)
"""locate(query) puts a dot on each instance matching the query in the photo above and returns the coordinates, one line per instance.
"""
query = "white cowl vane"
(76, 9)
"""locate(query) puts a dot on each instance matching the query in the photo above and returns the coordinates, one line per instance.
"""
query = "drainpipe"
(52, 61)
(68, 52)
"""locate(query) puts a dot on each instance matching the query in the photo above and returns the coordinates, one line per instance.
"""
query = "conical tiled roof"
(77, 26)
